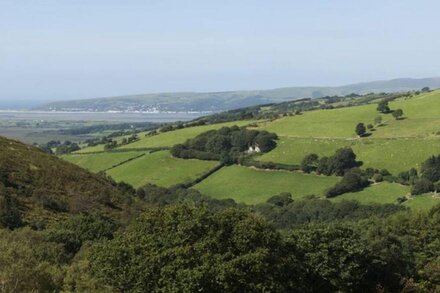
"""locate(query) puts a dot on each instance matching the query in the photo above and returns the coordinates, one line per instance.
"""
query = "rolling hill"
(220, 101)
(320, 130)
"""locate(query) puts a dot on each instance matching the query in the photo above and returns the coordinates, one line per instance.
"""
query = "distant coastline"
(119, 116)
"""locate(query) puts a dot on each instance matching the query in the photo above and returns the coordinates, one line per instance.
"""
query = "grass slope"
(423, 202)
(422, 118)
(102, 161)
(390, 154)
(254, 186)
(168, 139)
(381, 193)
(160, 168)
(324, 131)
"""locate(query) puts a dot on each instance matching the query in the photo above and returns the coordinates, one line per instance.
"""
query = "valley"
(385, 147)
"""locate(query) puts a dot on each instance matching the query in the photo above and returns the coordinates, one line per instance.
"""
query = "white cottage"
(254, 149)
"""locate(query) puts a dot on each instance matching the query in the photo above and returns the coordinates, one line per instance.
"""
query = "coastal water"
(97, 116)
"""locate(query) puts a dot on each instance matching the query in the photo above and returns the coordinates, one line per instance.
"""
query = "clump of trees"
(427, 181)
(182, 249)
(352, 181)
(310, 163)
(397, 114)
(284, 212)
(430, 176)
(130, 139)
(344, 159)
(431, 169)
(60, 148)
(383, 107)
(112, 144)
(342, 163)
(226, 144)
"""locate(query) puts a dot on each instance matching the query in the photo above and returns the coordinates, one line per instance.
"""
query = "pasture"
(396, 145)
(421, 119)
(380, 193)
(423, 202)
(160, 168)
(251, 186)
(390, 154)
(101, 161)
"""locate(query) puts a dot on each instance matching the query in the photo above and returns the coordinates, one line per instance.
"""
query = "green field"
(421, 113)
(422, 202)
(397, 146)
(91, 149)
(161, 169)
(100, 162)
(381, 193)
(390, 154)
(252, 186)
(168, 139)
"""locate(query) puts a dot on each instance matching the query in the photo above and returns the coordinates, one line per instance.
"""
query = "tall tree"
(360, 129)
(383, 107)
(397, 113)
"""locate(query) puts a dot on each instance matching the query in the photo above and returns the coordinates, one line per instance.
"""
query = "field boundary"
(268, 165)
(124, 162)
(202, 177)
(151, 150)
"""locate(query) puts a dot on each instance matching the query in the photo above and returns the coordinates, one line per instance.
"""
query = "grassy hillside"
(422, 202)
(161, 169)
(252, 186)
(102, 161)
(375, 153)
(323, 131)
(422, 117)
(395, 145)
(381, 193)
(46, 188)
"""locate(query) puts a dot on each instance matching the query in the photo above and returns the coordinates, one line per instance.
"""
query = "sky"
(73, 49)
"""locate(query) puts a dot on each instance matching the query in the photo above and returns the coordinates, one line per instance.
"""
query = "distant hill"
(40, 188)
(220, 101)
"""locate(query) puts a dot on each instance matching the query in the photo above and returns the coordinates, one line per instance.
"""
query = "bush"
(360, 129)
(10, 216)
(83, 227)
(281, 200)
(309, 163)
(377, 178)
(421, 186)
(431, 169)
(351, 182)
(383, 107)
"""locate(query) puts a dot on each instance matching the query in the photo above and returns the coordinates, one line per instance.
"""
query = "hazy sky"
(64, 49)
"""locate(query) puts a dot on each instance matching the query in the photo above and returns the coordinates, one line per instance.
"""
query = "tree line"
(227, 144)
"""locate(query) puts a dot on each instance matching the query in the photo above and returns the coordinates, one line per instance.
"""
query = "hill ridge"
(226, 100)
